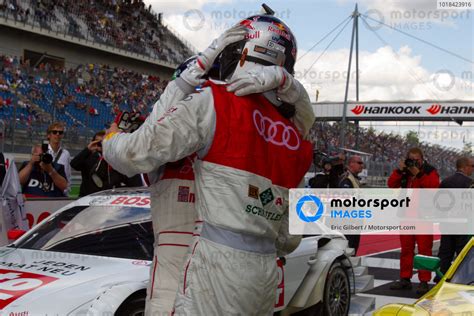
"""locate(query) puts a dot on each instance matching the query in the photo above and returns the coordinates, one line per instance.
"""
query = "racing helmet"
(212, 73)
(184, 65)
(269, 42)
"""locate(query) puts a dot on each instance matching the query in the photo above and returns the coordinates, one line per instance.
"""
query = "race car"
(453, 295)
(93, 257)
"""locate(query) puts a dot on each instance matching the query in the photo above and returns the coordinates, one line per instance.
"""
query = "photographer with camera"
(55, 134)
(96, 173)
(332, 169)
(413, 172)
(41, 176)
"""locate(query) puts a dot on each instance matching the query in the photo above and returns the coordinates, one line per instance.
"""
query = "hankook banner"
(423, 110)
(391, 211)
(411, 109)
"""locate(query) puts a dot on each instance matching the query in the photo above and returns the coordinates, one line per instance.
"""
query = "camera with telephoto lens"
(45, 157)
(409, 163)
(320, 159)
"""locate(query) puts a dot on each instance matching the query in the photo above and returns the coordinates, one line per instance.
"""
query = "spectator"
(413, 172)
(96, 174)
(60, 155)
(332, 169)
(453, 244)
(41, 179)
(350, 180)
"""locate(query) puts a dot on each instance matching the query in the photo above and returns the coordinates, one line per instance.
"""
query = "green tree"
(412, 138)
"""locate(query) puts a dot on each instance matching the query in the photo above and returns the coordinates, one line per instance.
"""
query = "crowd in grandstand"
(89, 95)
(125, 24)
(383, 147)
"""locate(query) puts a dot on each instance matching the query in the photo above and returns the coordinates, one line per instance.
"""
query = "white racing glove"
(193, 74)
(258, 80)
(289, 90)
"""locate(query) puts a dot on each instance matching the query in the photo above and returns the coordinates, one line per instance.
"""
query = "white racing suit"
(175, 136)
(173, 216)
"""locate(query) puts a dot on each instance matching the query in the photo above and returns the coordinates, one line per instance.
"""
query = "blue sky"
(311, 20)
(400, 69)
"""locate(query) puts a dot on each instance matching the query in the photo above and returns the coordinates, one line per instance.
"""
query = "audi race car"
(93, 256)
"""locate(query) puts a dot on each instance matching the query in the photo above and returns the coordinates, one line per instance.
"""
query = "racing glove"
(289, 90)
(129, 122)
(192, 76)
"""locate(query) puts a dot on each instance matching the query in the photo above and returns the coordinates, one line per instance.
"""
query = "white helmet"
(269, 42)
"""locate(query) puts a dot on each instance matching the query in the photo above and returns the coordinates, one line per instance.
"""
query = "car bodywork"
(453, 295)
(92, 255)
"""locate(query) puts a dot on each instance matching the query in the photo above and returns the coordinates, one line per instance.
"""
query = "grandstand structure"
(386, 149)
(79, 63)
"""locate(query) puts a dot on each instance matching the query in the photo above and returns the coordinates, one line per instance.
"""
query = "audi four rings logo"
(277, 132)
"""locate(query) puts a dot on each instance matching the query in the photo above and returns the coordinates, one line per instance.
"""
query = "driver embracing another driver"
(246, 131)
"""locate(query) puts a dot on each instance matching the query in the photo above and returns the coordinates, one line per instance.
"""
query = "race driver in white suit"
(173, 196)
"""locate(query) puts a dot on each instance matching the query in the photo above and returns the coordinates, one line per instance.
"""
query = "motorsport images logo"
(397, 211)
(303, 206)
(346, 208)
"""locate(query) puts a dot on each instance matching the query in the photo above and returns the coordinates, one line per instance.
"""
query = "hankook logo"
(358, 109)
(377, 109)
(434, 109)
(409, 109)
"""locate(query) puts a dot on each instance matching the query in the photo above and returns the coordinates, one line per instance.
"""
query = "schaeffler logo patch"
(277, 133)
(358, 109)
(434, 109)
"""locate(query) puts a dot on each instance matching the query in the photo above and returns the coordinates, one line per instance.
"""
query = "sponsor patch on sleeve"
(253, 192)
(266, 196)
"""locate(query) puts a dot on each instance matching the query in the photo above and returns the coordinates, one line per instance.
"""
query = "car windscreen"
(465, 272)
(112, 231)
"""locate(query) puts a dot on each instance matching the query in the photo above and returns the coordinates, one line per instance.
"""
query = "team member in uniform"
(241, 197)
(417, 174)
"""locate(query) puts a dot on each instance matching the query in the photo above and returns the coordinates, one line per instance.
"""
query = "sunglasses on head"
(57, 132)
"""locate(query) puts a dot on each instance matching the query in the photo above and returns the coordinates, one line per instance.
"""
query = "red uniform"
(428, 178)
